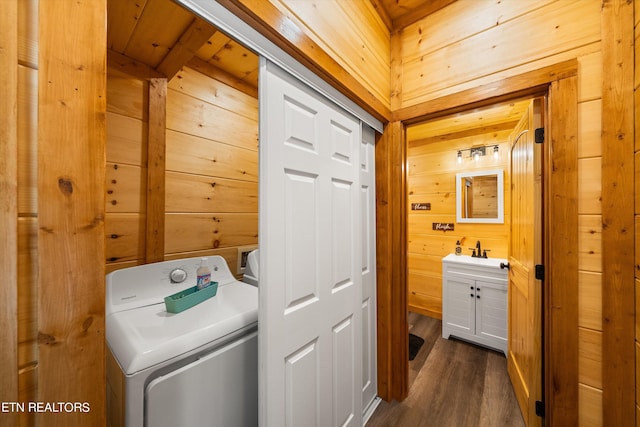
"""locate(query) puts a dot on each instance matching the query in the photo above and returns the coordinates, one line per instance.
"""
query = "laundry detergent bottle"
(203, 274)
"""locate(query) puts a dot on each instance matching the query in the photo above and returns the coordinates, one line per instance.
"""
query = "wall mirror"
(480, 196)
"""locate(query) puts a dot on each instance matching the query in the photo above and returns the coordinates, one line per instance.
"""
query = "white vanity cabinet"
(474, 300)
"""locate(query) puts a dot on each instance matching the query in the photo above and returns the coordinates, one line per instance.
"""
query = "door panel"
(524, 361)
(310, 257)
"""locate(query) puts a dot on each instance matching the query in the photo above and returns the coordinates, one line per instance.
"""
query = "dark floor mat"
(415, 342)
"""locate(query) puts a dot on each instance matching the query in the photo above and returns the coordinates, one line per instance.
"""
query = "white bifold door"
(312, 263)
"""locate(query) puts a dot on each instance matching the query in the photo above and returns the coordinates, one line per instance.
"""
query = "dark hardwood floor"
(452, 383)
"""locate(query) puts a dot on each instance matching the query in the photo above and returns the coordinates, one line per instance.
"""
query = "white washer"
(252, 269)
(194, 368)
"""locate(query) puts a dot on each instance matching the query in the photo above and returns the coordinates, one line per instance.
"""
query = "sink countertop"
(469, 260)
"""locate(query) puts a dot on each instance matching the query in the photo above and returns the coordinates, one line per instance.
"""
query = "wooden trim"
(393, 338)
(618, 294)
(71, 169)
(561, 234)
(186, 47)
(383, 265)
(561, 240)
(265, 18)
(156, 149)
(222, 76)
(9, 206)
(527, 84)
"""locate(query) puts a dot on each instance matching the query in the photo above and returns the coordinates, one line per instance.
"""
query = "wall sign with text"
(443, 226)
(420, 206)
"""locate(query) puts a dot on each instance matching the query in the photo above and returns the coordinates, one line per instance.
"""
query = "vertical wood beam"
(156, 170)
(561, 292)
(396, 70)
(618, 295)
(71, 171)
(9, 206)
(393, 338)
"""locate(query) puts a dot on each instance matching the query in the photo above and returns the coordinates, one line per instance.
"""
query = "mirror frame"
(500, 217)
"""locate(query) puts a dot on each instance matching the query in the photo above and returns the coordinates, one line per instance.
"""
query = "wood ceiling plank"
(216, 73)
(420, 12)
(159, 27)
(209, 49)
(123, 16)
(480, 118)
(235, 59)
(191, 40)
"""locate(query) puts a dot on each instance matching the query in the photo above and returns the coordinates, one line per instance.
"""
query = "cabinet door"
(459, 313)
(491, 311)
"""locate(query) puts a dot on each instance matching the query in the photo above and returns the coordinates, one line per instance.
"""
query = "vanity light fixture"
(476, 153)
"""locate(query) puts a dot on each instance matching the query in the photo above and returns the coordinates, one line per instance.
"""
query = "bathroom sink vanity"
(474, 300)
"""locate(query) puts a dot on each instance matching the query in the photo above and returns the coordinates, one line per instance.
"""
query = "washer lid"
(145, 336)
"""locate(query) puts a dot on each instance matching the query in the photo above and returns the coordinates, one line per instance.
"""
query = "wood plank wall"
(314, 42)
(618, 306)
(71, 169)
(27, 211)
(468, 44)
(637, 203)
(211, 169)
(365, 55)
(9, 208)
(126, 173)
(432, 164)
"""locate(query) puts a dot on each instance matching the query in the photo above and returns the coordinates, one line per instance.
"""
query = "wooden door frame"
(560, 296)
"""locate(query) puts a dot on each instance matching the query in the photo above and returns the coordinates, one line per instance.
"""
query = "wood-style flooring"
(452, 383)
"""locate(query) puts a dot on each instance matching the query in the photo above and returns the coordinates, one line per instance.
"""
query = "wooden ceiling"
(162, 36)
(159, 37)
(493, 118)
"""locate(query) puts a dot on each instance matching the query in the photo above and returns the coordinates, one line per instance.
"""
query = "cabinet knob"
(477, 289)
(478, 296)
(472, 295)
(504, 265)
(471, 287)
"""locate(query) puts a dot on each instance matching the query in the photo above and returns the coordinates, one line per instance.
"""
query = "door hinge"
(540, 408)
(539, 136)
(539, 271)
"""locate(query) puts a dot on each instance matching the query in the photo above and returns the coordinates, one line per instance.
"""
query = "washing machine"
(198, 367)
(252, 269)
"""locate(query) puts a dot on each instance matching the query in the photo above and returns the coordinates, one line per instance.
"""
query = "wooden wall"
(468, 44)
(211, 176)
(432, 165)
(352, 33)
(55, 325)
(637, 206)
(27, 205)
